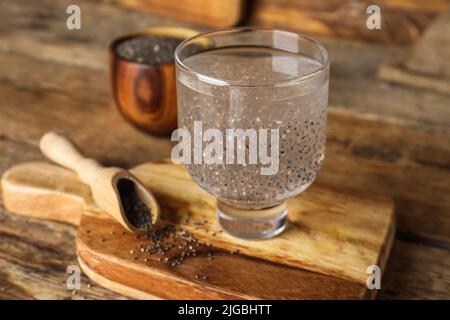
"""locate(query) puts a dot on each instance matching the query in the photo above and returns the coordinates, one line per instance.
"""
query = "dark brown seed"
(138, 214)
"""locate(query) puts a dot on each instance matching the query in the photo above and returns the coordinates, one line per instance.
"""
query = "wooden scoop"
(115, 190)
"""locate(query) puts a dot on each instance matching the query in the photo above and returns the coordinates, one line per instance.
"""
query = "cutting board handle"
(62, 151)
(45, 191)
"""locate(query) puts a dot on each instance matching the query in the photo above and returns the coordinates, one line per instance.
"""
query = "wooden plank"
(217, 13)
(39, 29)
(34, 257)
(416, 271)
(351, 60)
(402, 21)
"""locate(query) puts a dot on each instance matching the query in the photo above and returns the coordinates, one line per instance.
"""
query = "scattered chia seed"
(148, 49)
(138, 214)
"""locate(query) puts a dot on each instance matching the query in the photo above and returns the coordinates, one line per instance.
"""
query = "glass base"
(252, 224)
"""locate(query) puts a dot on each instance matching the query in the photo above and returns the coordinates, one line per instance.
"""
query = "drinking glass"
(274, 83)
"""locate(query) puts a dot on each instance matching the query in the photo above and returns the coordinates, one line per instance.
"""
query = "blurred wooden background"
(388, 124)
(403, 20)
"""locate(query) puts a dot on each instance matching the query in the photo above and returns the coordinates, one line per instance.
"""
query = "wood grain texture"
(145, 95)
(38, 28)
(411, 274)
(403, 21)
(216, 13)
(229, 276)
(382, 137)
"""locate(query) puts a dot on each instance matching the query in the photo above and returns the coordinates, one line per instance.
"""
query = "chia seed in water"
(298, 111)
(148, 49)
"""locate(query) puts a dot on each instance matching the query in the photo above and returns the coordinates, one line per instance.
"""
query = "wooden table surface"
(383, 138)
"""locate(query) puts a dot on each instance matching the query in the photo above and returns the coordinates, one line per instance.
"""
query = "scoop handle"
(62, 151)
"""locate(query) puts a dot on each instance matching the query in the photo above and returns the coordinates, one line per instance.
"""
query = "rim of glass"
(238, 83)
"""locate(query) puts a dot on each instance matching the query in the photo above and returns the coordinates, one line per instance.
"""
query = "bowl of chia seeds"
(142, 73)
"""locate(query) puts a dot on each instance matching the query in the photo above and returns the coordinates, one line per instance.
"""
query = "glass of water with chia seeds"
(252, 119)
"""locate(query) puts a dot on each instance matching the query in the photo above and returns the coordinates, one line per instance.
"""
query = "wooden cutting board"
(324, 252)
